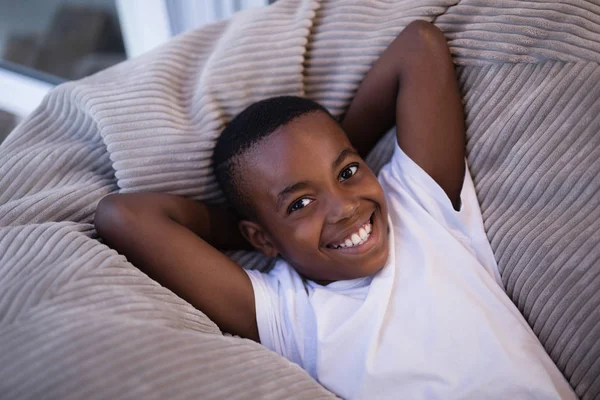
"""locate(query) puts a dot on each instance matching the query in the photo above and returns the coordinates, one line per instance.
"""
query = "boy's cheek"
(304, 238)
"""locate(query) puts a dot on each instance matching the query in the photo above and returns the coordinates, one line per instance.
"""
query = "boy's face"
(317, 202)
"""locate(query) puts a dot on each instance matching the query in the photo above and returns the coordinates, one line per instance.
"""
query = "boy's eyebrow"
(304, 184)
(290, 189)
(345, 153)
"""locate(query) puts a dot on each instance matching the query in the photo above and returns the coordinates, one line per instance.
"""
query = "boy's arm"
(414, 85)
(168, 237)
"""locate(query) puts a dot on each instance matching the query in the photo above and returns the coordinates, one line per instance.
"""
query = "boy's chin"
(367, 270)
(353, 268)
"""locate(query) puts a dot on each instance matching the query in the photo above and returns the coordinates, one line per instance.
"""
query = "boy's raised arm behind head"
(168, 238)
(413, 85)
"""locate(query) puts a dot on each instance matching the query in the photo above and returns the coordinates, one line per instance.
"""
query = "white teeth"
(358, 238)
(363, 234)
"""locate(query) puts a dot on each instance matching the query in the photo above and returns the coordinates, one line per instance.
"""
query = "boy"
(385, 289)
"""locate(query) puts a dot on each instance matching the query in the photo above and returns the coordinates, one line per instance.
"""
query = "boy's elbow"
(111, 216)
(426, 32)
(426, 36)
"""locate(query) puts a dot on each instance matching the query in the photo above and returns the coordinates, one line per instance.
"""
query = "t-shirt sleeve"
(403, 172)
(280, 301)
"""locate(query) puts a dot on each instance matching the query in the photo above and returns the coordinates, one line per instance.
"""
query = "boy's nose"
(342, 207)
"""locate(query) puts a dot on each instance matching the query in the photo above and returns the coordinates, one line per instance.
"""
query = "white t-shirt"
(434, 323)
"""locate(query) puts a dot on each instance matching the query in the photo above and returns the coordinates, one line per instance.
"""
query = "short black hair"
(249, 127)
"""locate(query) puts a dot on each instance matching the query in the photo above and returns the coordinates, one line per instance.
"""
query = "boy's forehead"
(315, 131)
(297, 151)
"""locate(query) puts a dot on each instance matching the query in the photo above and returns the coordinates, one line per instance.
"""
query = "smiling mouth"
(356, 239)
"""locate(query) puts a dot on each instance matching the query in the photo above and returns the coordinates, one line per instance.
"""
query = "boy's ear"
(257, 237)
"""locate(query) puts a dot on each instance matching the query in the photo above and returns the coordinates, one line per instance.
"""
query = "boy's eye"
(298, 204)
(348, 172)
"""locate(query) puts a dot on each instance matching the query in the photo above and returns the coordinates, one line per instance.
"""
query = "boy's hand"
(168, 238)
(414, 85)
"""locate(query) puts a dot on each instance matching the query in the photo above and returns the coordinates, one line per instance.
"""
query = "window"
(64, 39)
(46, 42)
